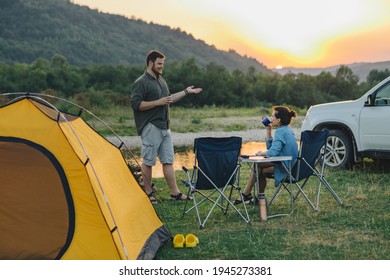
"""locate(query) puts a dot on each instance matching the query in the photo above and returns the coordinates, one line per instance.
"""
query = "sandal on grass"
(152, 198)
(180, 196)
(247, 199)
(154, 189)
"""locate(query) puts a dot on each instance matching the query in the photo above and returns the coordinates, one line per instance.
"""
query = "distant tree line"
(221, 87)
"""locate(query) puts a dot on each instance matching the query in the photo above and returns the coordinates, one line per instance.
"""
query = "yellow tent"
(66, 192)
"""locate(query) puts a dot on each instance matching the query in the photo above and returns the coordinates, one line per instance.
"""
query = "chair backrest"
(217, 158)
(310, 149)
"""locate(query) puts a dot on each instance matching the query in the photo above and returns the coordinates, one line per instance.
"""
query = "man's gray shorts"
(156, 142)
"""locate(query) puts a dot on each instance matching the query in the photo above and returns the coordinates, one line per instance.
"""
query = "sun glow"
(291, 33)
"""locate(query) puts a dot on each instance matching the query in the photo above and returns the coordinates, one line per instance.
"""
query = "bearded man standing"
(150, 101)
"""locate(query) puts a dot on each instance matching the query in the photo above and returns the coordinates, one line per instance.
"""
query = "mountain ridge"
(361, 69)
(86, 36)
(32, 29)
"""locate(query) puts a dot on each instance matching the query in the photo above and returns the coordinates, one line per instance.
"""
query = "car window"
(383, 96)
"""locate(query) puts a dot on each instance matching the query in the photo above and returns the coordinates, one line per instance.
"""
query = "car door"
(374, 131)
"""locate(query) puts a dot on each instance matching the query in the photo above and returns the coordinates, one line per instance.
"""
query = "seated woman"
(284, 143)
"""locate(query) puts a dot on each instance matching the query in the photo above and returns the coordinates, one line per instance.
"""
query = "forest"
(102, 85)
(32, 29)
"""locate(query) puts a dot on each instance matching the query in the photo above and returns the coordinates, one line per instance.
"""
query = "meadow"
(358, 230)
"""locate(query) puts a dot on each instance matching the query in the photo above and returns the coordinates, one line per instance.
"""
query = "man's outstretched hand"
(193, 90)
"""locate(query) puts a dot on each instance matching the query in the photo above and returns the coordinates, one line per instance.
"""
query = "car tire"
(338, 150)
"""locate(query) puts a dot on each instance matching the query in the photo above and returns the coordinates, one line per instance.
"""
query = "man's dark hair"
(153, 55)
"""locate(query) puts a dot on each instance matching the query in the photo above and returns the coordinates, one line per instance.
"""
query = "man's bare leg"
(147, 177)
(170, 177)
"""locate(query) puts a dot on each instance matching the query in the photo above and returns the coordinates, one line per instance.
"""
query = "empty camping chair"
(311, 154)
(214, 176)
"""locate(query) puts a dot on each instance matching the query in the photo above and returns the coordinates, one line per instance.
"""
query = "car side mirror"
(369, 101)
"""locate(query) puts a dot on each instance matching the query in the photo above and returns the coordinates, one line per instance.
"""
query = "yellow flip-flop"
(178, 241)
(191, 240)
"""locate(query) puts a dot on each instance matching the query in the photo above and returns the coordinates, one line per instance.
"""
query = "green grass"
(358, 230)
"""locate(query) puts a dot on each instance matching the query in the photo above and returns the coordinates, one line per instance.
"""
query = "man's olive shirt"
(149, 88)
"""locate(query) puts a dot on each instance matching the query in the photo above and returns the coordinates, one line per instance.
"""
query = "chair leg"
(327, 186)
(300, 190)
(278, 190)
(230, 196)
(333, 193)
(191, 190)
(185, 205)
(218, 197)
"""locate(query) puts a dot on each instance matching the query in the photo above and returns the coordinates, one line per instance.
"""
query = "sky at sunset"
(297, 33)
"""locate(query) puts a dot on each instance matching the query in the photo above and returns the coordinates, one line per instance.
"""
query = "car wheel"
(338, 150)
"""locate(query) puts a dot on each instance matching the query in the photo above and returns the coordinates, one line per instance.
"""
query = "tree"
(240, 90)
(375, 76)
(346, 83)
(216, 81)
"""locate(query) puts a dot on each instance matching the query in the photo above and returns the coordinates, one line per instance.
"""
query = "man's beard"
(155, 71)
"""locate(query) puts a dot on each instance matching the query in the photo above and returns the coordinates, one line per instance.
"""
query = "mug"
(266, 121)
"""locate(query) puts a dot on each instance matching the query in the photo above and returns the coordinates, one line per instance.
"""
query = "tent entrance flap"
(36, 223)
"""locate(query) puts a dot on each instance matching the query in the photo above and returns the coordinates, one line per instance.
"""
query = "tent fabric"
(67, 193)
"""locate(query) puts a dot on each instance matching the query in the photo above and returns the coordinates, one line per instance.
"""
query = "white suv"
(357, 129)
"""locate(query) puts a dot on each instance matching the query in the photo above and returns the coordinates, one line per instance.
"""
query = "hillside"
(30, 29)
(361, 69)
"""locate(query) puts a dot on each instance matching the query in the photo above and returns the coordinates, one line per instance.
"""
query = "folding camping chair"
(312, 153)
(216, 169)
